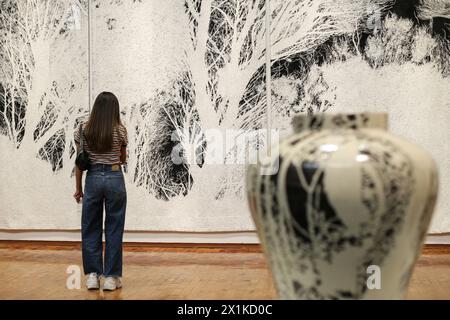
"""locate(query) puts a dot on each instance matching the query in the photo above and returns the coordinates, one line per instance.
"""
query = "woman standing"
(105, 140)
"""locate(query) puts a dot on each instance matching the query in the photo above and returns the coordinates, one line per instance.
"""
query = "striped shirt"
(120, 139)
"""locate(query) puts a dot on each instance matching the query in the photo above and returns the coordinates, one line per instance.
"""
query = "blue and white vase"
(346, 213)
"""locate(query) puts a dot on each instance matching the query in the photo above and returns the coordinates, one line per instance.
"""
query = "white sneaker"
(92, 281)
(112, 283)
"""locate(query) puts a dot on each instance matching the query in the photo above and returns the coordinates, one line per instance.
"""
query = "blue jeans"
(103, 187)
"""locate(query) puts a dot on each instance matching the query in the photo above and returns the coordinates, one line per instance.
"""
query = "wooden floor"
(35, 270)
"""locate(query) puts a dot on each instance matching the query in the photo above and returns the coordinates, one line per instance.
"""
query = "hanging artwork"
(189, 75)
(43, 93)
(397, 61)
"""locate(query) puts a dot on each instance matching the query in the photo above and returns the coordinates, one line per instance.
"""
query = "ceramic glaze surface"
(348, 198)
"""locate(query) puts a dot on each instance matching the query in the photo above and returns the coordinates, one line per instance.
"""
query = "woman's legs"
(115, 207)
(92, 225)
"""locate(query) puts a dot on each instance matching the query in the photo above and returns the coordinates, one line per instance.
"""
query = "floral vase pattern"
(348, 198)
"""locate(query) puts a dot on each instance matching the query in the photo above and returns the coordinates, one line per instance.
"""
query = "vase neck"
(354, 121)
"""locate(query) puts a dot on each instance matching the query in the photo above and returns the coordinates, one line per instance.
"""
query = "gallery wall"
(180, 68)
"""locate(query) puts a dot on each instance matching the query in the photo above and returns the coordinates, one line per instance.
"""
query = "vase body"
(346, 213)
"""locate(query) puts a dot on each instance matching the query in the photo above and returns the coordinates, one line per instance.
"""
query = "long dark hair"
(104, 118)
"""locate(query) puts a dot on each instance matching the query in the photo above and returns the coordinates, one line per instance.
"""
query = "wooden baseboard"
(134, 246)
(428, 249)
(436, 249)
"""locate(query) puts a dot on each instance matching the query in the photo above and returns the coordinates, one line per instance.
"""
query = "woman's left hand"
(78, 195)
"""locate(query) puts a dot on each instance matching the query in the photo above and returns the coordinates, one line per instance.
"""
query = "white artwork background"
(138, 53)
(43, 93)
(200, 64)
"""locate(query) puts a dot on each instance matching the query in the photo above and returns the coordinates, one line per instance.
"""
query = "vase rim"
(340, 120)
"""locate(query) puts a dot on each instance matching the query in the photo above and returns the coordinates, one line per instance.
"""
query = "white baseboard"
(438, 239)
(166, 237)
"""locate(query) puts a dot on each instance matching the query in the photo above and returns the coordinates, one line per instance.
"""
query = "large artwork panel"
(155, 56)
(189, 72)
(395, 60)
(43, 93)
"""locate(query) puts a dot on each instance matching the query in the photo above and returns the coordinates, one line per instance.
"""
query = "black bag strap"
(81, 138)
